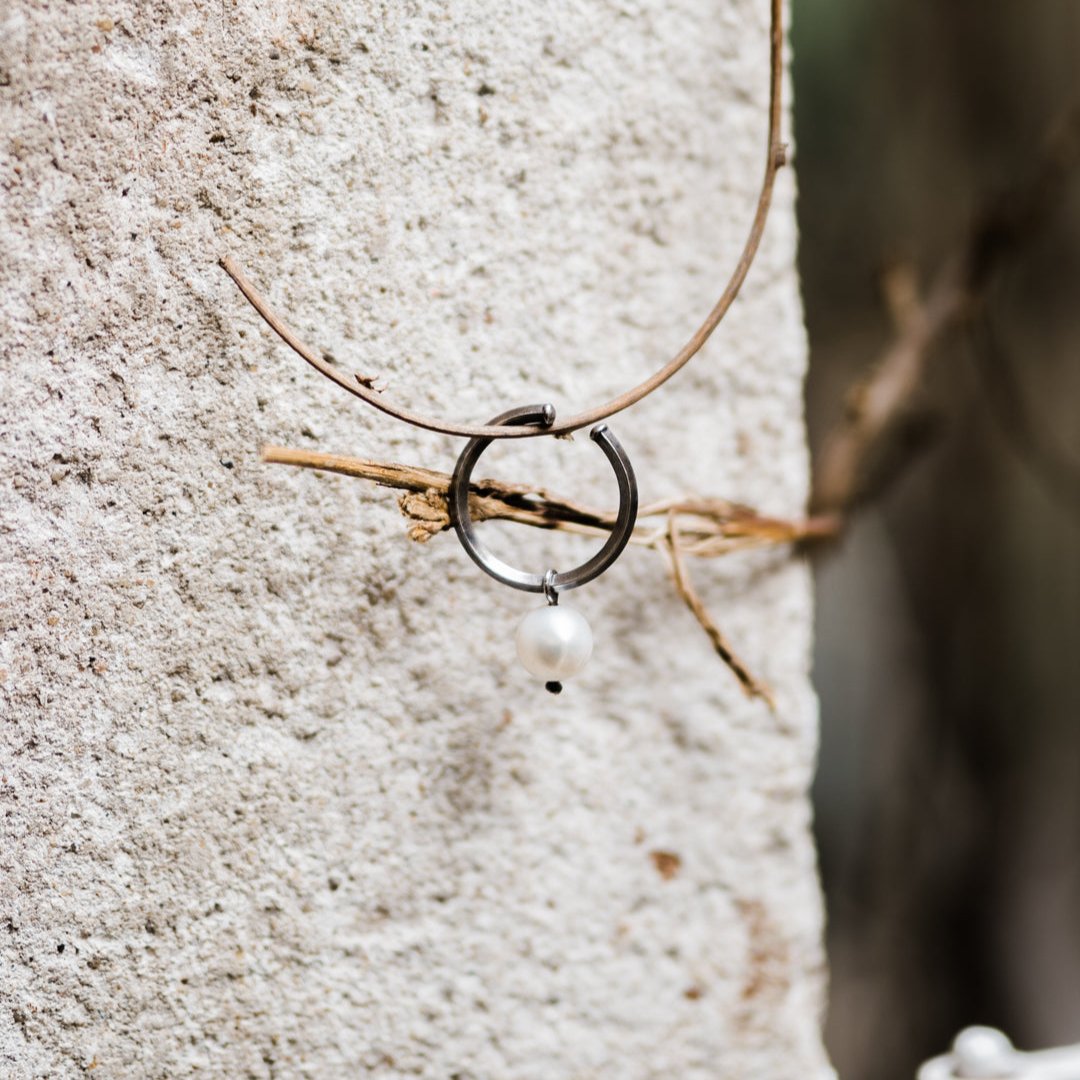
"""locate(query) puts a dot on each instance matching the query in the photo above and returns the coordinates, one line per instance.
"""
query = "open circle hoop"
(549, 583)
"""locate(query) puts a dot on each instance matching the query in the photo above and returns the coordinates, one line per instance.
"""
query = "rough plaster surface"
(276, 799)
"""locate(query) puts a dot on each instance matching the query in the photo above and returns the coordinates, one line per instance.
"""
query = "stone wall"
(276, 799)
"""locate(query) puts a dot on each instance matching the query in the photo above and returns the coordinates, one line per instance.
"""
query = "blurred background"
(948, 636)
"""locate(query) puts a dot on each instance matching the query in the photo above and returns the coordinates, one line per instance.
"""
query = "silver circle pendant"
(556, 645)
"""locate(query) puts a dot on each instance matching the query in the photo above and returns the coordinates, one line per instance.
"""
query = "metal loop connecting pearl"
(551, 594)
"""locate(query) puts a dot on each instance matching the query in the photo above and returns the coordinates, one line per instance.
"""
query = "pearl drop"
(554, 642)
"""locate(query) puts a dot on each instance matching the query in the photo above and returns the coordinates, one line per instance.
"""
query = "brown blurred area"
(948, 633)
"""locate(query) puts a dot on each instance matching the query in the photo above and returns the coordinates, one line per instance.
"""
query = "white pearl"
(554, 642)
(983, 1052)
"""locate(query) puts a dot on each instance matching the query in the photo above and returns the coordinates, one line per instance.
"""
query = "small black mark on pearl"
(553, 687)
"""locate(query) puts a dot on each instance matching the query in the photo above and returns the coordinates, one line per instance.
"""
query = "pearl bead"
(982, 1052)
(554, 642)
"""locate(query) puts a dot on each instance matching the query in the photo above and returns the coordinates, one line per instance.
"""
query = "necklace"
(553, 642)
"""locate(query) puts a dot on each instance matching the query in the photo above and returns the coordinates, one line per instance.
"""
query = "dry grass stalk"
(704, 528)
(753, 686)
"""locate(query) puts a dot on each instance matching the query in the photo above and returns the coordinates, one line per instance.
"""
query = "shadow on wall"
(948, 813)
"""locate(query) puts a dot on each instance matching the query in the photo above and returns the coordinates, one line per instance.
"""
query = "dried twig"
(714, 526)
(879, 404)
(705, 528)
(753, 687)
(363, 388)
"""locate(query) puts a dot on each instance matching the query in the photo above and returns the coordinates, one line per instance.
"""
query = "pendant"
(553, 642)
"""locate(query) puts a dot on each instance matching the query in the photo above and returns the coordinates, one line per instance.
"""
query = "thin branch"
(713, 527)
(387, 475)
(879, 404)
(709, 527)
(753, 687)
(362, 388)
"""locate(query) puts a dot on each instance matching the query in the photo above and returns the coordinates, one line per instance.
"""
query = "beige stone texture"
(275, 798)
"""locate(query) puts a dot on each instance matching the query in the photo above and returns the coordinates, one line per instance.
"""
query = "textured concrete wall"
(276, 799)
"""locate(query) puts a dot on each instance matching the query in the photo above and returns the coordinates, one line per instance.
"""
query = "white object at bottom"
(982, 1053)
